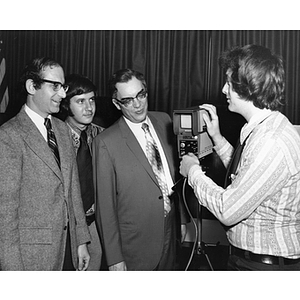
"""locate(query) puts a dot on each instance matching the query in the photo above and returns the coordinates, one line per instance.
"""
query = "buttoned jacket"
(129, 205)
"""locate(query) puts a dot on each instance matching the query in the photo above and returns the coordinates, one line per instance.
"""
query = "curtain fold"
(180, 66)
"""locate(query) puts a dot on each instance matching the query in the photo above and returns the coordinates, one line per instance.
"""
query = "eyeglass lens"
(128, 101)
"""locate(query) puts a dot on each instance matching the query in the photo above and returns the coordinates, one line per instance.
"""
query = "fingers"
(210, 108)
(187, 162)
(83, 257)
(83, 264)
(206, 119)
(80, 265)
(192, 155)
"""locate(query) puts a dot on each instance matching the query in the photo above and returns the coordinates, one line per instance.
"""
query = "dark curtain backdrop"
(181, 67)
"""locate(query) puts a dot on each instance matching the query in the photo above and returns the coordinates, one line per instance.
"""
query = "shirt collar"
(253, 122)
(76, 129)
(132, 124)
(35, 116)
(137, 125)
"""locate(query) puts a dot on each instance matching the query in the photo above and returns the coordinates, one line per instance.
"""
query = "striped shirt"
(262, 205)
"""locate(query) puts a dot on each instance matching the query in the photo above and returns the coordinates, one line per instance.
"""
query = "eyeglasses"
(141, 95)
(57, 85)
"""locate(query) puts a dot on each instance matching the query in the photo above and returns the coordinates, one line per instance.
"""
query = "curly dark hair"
(256, 75)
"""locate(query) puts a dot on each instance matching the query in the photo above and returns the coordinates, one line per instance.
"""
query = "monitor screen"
(186, 121)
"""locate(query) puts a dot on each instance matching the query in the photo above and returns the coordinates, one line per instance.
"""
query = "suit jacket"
(129, 208)
(37, 199)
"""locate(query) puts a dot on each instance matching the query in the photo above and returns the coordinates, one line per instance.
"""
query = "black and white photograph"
(155, 146)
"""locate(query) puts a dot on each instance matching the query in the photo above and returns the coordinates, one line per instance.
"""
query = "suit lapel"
(135, 148)
(63, 140)
(35, 141)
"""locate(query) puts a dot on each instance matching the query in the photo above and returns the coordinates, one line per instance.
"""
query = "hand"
(212, 123)
(121, 266)
(83, 257)
(186, 163)
(183, 232)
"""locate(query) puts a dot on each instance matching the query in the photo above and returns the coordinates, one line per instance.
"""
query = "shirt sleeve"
(224, 151)
(263, 172)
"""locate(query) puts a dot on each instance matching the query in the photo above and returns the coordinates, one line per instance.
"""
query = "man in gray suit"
(41, 211)
(135, 205)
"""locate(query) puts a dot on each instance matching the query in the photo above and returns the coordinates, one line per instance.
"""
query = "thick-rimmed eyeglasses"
(56, 85)
(141, 95)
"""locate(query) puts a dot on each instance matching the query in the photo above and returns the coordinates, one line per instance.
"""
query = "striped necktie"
(157, 167)
(52, 140)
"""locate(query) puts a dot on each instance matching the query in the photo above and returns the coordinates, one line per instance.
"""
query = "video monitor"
(186, 121)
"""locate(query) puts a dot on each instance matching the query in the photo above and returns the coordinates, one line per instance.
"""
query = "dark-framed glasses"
(141, 95)
(56, 85)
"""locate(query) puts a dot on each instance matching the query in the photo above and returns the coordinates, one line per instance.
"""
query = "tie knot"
(83, 135)
(145, 127)
(47, 123)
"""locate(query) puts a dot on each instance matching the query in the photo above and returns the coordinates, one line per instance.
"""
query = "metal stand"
(201, 246)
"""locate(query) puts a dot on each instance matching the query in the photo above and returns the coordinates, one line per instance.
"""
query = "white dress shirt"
(139, 133)
(38, 121)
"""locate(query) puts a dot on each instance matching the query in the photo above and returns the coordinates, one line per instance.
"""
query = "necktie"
(85, 170)
(52, 140)
(157, 167)
(231, 170)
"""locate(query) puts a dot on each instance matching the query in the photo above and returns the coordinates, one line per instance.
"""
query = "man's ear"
(30, 86)
(116, 104)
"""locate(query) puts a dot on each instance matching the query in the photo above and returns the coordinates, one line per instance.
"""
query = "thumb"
(80, 265)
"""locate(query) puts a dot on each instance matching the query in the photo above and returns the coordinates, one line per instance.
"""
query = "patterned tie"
(157, 167)
(52, 140)
(85, 170)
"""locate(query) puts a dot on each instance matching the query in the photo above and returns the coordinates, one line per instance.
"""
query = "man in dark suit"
(40, 204)
(135, 211)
